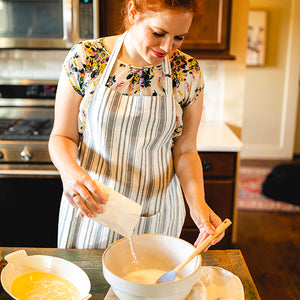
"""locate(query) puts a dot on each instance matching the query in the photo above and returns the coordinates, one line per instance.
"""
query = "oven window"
(31, 18)
(29, 211)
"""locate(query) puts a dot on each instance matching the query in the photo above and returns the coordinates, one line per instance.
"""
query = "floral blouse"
(86, 61)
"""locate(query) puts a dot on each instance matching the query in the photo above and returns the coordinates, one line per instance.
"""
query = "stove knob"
(26, 154)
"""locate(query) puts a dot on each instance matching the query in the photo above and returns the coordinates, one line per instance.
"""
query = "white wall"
(225, 79)
(235, 71)
(272, 90)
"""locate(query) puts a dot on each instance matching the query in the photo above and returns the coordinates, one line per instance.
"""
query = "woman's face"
(155, 34)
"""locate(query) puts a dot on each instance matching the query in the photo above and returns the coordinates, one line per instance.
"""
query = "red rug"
(250, 196)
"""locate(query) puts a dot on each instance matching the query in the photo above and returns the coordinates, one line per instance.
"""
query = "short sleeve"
(194, 84)
(74, 68)
(187, 83)
(187, 78)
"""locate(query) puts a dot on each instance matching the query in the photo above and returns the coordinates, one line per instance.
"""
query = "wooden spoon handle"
(226, 223)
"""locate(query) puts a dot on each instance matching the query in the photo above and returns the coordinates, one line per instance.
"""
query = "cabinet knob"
(206, 165)
(1, 155)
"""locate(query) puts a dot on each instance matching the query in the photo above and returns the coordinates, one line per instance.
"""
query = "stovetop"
(25, 129)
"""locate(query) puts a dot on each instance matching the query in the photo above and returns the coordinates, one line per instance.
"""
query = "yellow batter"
(42, 286)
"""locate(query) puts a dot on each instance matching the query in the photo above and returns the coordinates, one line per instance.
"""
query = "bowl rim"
(20, 260)
(148, 284)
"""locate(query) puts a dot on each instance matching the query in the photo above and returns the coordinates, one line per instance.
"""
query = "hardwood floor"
(270, 243)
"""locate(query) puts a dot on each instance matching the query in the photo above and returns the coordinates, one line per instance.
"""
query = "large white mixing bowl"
(20, 263)
(153, 251)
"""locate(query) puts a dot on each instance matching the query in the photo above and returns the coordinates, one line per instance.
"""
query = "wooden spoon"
(171, 275)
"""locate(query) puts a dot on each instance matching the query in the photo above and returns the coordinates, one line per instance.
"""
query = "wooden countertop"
(90, 262)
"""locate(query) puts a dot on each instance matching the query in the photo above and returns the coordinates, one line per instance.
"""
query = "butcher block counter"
(90, 262)
(219, 150)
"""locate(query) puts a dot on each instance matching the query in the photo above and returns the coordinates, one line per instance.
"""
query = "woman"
(127, 113)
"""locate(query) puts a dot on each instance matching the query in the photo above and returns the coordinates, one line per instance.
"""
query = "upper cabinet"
(111, 17)
(209, 35)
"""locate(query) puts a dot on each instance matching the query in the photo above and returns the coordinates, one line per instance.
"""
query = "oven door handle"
(68, 22)
(7, 170)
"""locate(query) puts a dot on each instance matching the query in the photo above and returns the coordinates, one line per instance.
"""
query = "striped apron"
(127, 145)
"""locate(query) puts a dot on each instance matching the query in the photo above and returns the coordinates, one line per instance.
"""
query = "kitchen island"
(90, 262)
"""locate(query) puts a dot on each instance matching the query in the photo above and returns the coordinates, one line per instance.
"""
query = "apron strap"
(112, 60)
(168, 75)
(165, 66)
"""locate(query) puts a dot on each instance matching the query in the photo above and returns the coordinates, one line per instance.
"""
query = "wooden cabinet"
(208, 37)
(111, 17)
(219, 169)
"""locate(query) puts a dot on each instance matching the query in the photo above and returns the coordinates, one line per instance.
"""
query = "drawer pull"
(206, 165)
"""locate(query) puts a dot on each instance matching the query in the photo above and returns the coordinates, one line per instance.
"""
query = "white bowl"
(20, 263)
(153, 251)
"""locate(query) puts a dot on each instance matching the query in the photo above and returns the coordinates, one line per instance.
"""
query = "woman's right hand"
(82, 192)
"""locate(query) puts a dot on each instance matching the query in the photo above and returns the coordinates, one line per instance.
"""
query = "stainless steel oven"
(51, 24)
(30, 186)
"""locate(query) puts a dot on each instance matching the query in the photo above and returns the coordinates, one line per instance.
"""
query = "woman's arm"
(188, 169)
(63, 148)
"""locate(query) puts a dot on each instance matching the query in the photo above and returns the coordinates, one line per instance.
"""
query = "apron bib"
(127, 146)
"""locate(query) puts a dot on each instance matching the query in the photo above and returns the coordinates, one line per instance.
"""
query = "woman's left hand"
(208, 222)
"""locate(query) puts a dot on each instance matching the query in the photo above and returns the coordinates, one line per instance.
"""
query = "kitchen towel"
(217, 283)
(214, 283)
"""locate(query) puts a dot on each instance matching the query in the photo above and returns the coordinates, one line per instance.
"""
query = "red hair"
(158, 5)
(142, 6)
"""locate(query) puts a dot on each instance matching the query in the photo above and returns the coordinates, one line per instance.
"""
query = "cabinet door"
(210, 30)
(111, 17)
(218, 195)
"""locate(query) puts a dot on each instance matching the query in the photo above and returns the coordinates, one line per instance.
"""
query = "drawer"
(218, 164)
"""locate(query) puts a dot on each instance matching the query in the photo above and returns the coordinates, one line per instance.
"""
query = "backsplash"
(214, 80)
(31, 64)
(46, 64)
